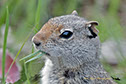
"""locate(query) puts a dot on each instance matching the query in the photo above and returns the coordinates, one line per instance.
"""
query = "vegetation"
(26, 17)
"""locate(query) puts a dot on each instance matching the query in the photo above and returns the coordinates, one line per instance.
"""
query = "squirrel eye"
(66, 34)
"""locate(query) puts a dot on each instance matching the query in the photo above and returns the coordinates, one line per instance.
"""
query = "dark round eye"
(66, 34)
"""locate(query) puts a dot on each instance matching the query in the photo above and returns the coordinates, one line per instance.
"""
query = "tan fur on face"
(46, 31)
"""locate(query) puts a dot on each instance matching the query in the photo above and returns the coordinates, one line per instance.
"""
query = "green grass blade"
(34, 58)
(31, 55)
(33, 48)
(4, 46)
(19, 51)
(37, 18)
(114, 7)
(26, 73)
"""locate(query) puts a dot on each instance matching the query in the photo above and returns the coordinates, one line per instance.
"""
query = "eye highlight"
(66, 34)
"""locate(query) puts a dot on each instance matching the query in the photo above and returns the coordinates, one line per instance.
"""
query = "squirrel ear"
(74, 13)
(91, 26)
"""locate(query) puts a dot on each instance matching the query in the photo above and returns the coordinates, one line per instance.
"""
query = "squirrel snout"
(36, 41)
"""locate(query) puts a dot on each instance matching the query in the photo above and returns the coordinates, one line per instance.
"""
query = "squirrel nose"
(36, 41)
(37, 44)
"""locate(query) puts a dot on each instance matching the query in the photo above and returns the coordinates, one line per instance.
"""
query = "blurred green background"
(26, 14)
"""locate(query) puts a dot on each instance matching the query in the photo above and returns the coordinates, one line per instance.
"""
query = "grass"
(31, 55)
(37, 18)
(36, 55)
(26, 73)
(19, 52)
(4, 49)
(4, 46)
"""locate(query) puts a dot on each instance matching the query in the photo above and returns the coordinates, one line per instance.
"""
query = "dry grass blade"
(31, 55)
(34, 58)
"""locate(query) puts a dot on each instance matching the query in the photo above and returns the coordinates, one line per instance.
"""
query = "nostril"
(38, 44)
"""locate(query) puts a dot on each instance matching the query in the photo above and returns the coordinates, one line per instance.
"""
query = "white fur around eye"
(62, 30)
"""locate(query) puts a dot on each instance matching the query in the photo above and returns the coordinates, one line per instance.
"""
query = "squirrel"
(72, 48)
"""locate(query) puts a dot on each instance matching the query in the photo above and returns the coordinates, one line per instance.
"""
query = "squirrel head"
(69, 40)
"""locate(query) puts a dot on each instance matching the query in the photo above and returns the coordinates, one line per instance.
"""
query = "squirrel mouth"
(45, 53)
(42, 51)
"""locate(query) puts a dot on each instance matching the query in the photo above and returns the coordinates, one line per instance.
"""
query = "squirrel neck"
(83, 74)
(61, 63)
(86, 68)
